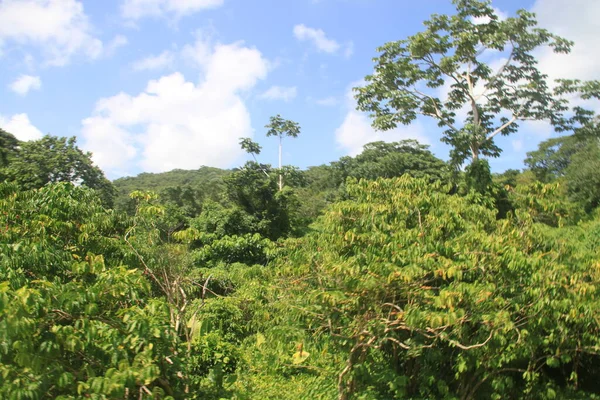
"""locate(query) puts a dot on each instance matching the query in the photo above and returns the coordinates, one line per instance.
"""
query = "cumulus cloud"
(25, 83)
(60, 28)
(317, 37)
(577, 22)
(163, 60)
(20, 126)
(356, 130)
(136, 9)
(175, 123)
(280, 93)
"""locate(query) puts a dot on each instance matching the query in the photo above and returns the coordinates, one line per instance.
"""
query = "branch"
(500, 129)
(438, 113)
(471, 94)
(473, 346)
(497, 74)
(471, 394)
(260, 165)
(342, 395)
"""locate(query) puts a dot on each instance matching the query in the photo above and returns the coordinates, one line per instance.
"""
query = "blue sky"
(152, 85)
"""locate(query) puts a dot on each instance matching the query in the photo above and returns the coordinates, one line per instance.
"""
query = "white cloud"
(175, 123)
(25, 83)
(578, 22)
(163, 60)
(59, 27)
(317, 36)
(280, 93)
(356, 130)
(199, 53)
(327, 101)
(20, 126)
(136, 9)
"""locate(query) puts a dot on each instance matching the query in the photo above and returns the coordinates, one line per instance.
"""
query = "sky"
(154, 85)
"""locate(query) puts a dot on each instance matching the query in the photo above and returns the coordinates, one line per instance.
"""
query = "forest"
(392, 274)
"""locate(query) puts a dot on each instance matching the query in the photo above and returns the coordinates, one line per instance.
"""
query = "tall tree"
(282, 127)
(454, 50)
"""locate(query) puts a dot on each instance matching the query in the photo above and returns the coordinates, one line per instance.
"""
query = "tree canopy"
(51, 159)
(451, 55)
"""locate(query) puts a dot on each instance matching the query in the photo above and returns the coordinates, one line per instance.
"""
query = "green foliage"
(259, 196)
(53, 159)
(390, 160)
(509, 177)
(8, 147)
(249, 146)
(205, 183)
(583, 176)
(452, 49)
(575, 161)
(431, 292)
(478, 176)
(325, 184)
(545, 203)
(75, 323)
(552, 157)
(211, 249)
(281, 127)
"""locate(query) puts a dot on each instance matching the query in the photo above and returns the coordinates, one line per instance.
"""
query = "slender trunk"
(280, 176)
(474, 153)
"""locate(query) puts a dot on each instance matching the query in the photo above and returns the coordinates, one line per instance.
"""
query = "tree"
(453, 51)
(54, 159)
(282, 127)
(410, 292)
(254, 149)
(553, 156)
(72, 314)
(583, 176)
(8, 147)
(258, 195)
(572, 160)
(389, 160)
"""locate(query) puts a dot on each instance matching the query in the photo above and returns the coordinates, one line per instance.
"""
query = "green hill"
(205, 182)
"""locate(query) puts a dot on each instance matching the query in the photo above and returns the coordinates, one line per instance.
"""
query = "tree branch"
(438, 113)
(499, 72)
(500, 129)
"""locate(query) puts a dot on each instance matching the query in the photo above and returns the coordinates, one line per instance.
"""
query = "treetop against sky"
(151, 85)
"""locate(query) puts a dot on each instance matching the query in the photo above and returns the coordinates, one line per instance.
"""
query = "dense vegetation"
(392, 274)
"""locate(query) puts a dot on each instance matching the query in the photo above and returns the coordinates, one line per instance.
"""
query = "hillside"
(205, 181)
